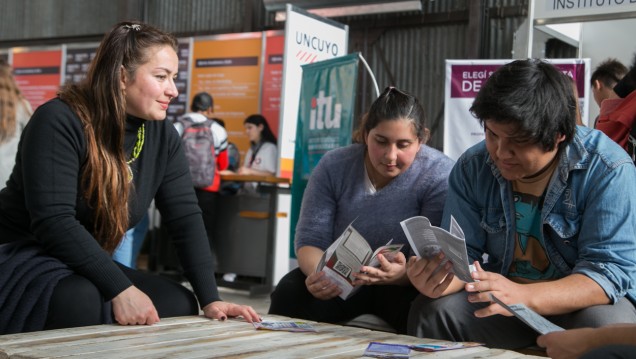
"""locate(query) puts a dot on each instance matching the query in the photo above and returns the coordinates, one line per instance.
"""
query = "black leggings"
(390, 302)
(77, 302)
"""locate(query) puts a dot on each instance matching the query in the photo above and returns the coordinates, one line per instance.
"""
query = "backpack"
(198, 144)
(233, 156)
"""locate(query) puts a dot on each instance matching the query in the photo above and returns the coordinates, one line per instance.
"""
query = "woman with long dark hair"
(90, 163)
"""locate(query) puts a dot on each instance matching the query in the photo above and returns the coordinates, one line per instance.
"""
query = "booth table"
(244, 237)
(199, 337)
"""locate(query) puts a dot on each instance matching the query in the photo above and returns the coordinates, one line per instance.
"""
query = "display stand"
(245, 233)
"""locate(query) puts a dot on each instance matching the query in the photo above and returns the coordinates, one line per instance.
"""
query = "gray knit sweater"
(336, 196)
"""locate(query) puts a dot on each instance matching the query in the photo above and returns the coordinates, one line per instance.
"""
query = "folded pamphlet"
(533, 319)
(438, 347)
(348, 254)
(386, 350)
(427, 241)
(284, 326)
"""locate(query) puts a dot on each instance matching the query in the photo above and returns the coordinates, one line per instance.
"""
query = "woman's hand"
(321, 287)
(389, 272)
(133, 306)
(222, 310)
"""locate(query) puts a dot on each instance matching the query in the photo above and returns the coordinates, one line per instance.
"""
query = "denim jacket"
(588, 216)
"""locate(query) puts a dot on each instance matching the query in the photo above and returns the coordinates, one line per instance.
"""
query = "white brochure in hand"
(427, 241)
(347, 254)
(533, 319)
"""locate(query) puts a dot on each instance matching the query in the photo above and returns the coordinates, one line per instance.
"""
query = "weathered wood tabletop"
(198, 337)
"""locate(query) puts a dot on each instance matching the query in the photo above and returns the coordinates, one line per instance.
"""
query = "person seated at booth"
(262, 156)
(387, 176)
(548, 210)
(90, 162)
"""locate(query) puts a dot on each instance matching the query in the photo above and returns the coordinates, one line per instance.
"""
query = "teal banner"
(325, 120)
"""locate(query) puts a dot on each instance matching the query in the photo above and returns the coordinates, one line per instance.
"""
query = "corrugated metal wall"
(205, 16)
(412, 57)
(406, 50)
(39, 20)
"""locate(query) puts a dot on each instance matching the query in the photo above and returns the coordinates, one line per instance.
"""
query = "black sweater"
(42, 200)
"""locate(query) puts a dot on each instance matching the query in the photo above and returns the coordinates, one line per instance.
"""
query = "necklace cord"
(141, 134)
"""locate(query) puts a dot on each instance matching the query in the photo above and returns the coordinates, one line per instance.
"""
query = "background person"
(387, 176)
(262, 156)
(618, 113)
(552, 205)
(91, 162)
(604, 78)
(15, 111)
(203, 110)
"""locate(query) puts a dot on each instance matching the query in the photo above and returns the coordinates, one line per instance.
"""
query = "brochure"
(427, 241)
(438, 347)
(347, 254)
(533, 319)
(284, 326)
(386, 350)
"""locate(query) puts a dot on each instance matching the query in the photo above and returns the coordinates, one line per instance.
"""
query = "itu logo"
(320, 116)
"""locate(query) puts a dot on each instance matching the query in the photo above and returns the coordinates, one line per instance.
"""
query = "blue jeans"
(128, 249)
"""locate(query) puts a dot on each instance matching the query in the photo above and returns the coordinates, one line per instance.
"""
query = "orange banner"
(272, 78)
(228, 67)
(37, 74)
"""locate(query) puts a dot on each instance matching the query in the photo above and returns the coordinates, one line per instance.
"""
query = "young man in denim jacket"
(548, 210)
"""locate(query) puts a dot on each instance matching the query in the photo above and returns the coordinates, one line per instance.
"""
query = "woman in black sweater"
(88, 166)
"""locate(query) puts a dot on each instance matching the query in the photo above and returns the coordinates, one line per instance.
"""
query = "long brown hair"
(100, 103)
(10, 99)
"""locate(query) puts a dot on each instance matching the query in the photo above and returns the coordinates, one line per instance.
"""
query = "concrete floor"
(260, 303)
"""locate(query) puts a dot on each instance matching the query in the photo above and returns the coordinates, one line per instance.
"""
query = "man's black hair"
(534, 96)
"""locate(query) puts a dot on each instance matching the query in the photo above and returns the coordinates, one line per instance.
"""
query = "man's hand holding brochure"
(427, 241)
(348, 254)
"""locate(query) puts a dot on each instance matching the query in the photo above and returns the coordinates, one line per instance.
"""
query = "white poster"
(464, 79)
(576, 9)
(308, 39)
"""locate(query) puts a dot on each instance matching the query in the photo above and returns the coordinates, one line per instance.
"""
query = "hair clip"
(135, 27)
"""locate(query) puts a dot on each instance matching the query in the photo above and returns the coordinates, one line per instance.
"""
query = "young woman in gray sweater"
(388, 176)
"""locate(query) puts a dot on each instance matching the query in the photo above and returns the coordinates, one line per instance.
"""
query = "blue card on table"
(385, 350)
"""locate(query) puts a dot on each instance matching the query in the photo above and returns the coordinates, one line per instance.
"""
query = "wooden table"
(198, 337)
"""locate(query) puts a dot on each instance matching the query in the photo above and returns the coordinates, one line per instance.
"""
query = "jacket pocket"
(493, 222)
(562, 232)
